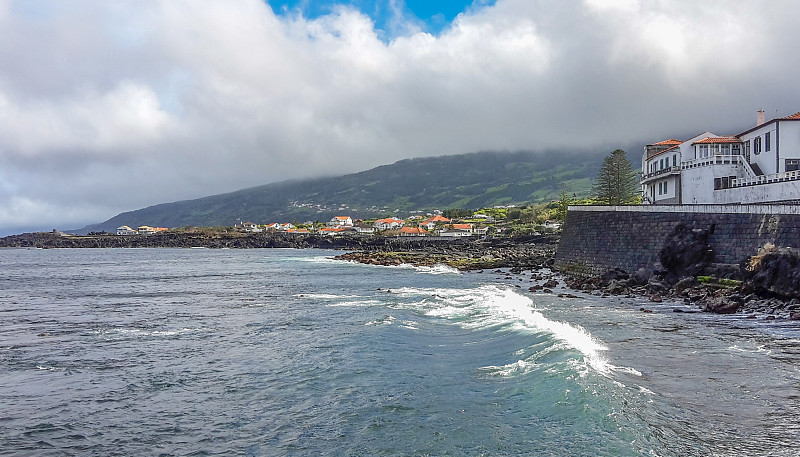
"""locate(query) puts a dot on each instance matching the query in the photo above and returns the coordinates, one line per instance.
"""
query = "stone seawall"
(598, 238)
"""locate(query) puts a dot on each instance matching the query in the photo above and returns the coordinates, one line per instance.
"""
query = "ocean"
(277, 352)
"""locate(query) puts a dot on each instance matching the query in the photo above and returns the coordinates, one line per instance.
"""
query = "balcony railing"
(663, 171)
(714, 160)
(766, 179)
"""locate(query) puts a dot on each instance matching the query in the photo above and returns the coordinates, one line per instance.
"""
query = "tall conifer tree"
(616, 182)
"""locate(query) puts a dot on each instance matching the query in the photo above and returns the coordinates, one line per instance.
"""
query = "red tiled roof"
(722, 139)
(665, 150)
(793, 116)
(671, 141)
(412, 230)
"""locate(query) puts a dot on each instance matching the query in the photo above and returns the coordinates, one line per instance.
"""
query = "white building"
(457, 230)
(125, 230)
(756, 166)
(340, 221)
(389, 223)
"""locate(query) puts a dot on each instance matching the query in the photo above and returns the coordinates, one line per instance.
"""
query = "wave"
(438, 269)
(141, 333)
(491, 305)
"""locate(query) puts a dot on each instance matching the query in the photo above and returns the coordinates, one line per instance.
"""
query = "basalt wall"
(596, 239)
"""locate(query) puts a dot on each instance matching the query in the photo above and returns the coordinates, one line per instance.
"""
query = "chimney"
(759, 117)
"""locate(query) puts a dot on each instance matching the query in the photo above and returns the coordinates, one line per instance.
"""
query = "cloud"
(112, 106)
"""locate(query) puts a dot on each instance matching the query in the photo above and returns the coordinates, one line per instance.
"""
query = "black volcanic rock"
(686, 252)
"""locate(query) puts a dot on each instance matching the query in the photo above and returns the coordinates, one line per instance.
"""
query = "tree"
(564, 201)
(616, 181)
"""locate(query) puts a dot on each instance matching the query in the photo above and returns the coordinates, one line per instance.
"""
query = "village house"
(251, 227)
(340, 221)
(144, 230)
(457, 230)
(759, 165)
(412, 231)
(125, 230)
(332, 231)
(430, 223)
(364, 228)
(388, 224)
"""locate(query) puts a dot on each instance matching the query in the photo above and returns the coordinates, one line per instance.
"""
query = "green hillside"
(458, 181)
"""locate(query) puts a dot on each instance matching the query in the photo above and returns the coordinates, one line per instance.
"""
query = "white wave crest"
(438, 269)
(493, 305)
(355, 303)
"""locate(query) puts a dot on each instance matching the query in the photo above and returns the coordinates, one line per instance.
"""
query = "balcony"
(676, 170)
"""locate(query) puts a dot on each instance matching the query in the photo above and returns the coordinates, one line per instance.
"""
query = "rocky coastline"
(766, 286)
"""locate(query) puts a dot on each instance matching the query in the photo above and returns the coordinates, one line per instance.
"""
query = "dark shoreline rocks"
(770, 289)
(531, 253)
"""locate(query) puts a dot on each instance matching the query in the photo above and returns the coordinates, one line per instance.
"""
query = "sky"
(107, 107)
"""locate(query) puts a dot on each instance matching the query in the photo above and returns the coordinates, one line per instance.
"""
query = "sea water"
(287, 352)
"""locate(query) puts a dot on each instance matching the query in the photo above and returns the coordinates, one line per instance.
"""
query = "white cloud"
(173, 99)
(127, 118)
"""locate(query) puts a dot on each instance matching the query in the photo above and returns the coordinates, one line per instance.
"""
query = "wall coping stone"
(705, 209)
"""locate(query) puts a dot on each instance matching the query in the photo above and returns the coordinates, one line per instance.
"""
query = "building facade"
(759, 165)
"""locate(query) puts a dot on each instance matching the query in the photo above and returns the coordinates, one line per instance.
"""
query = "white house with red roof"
(759, 165)
(340, 221)
(430, 223)
(388, 223)
(412, 231)
(125, 230)
(457, 230)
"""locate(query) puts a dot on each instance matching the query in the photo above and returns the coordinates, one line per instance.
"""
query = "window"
(661, 164)
(717, 183)
(674, 160)
(665, 186)
(660, 188)
(792, 164)
(757, 145)
(766, 141)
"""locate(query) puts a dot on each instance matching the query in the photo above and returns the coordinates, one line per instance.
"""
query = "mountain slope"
(457, 181)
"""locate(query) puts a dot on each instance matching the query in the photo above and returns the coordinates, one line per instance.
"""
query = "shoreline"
(520, 255)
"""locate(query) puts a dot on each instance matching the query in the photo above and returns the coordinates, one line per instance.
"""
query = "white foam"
(355, 303)
(140, 333)
(323, 296)
(491, 305)
(385, 321)
(318, 259)
(439, 269)
(514, 368)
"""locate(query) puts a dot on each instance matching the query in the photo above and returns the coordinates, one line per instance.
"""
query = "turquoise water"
(285, 352)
